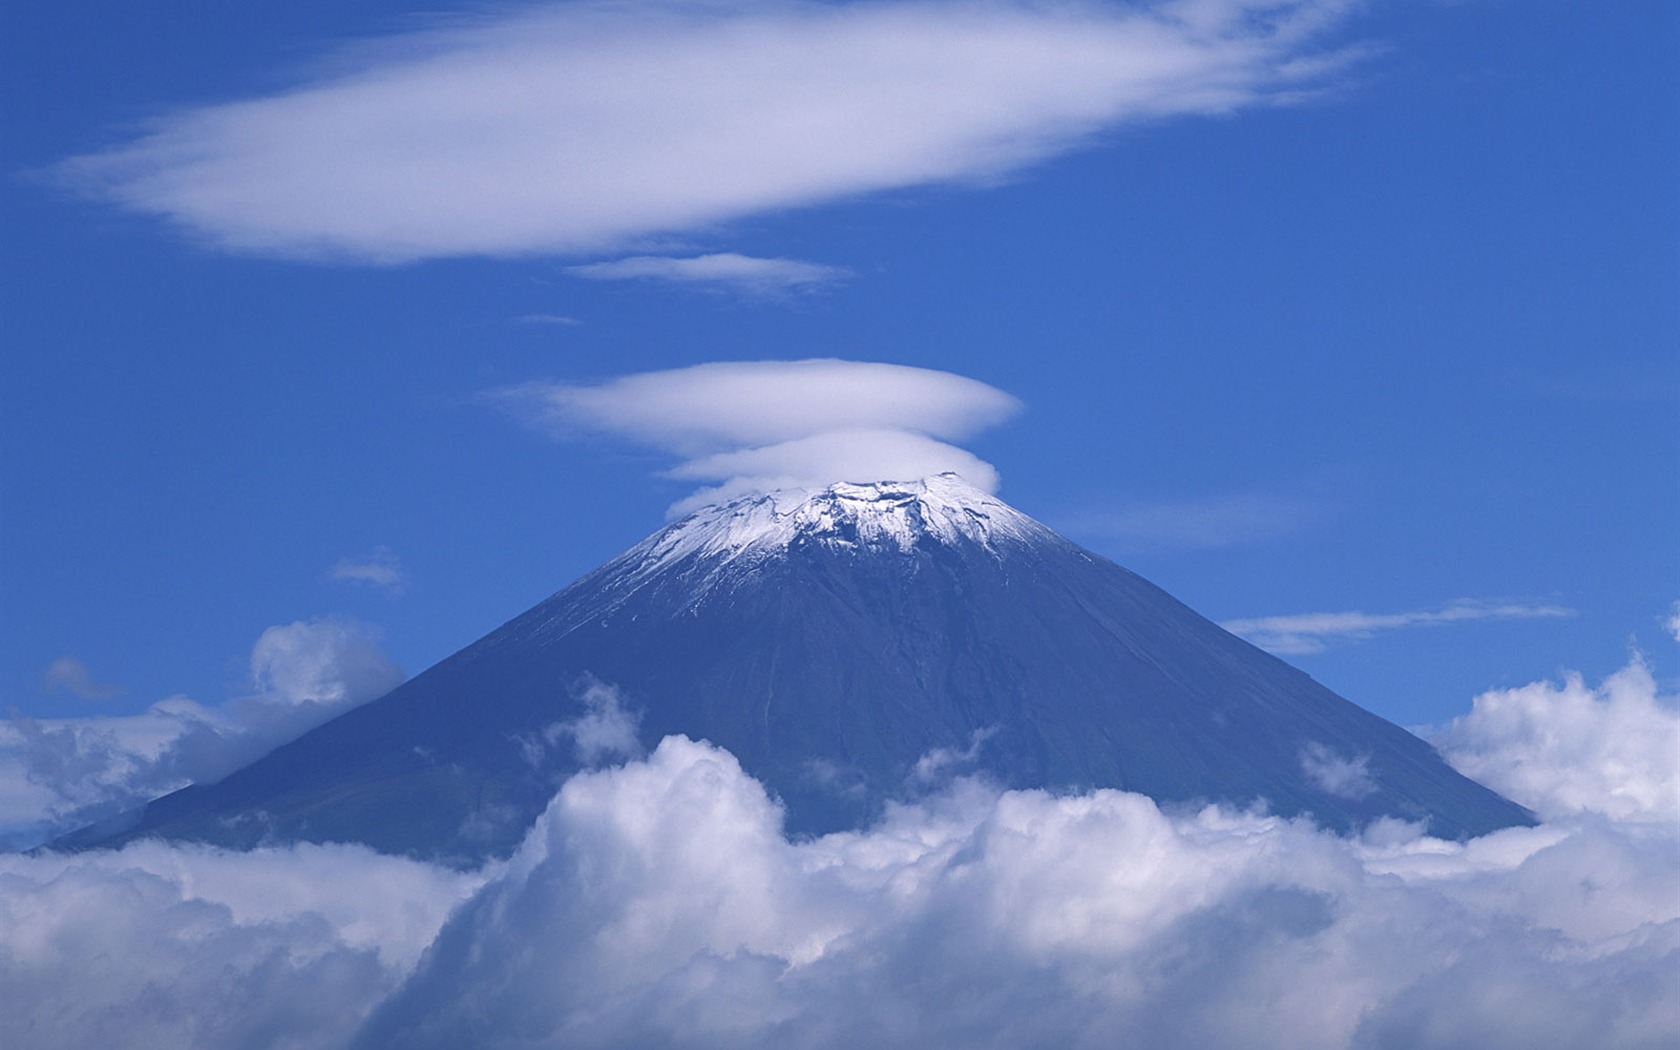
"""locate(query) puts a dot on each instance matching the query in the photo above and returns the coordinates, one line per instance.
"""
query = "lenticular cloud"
(766, 426)
(593, 127)
(658, 903)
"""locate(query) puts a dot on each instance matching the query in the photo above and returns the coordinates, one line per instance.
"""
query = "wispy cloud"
(742, 273)
(68, 674)
(592, 127)
(380, 569)
(549, 319)
(1306, 633)
(757, 426)
(1194, 524)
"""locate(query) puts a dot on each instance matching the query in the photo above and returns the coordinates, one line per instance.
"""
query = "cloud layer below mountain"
(60, 773)
(658, 903)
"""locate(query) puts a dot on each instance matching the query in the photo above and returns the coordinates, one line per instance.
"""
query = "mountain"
(844, 645)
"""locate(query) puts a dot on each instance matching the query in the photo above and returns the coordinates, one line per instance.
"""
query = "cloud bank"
(591, 127)
(59, 774)
(1307, 633)
(163, 946)
(764, 426)
(657, 903)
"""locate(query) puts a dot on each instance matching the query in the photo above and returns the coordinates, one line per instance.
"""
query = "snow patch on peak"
(895, 515)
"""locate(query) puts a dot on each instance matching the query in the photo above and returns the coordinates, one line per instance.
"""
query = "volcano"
(850, 647)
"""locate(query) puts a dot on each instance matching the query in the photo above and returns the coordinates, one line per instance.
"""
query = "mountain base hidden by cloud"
(659, 903)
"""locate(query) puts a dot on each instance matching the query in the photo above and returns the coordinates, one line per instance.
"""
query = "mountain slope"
(840, 645)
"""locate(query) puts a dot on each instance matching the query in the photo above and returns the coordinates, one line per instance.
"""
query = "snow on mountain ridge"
(888, 515)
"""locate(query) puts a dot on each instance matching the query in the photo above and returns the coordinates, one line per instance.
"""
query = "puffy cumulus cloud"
(680, 915)
(606, 729)
(1566, 748)
(330, 663)
(759, 426)
(590, 127)
(718, 270)
(1303, 634)
(57, 774)
(659, 904)
(1340, 775)
(194, 947)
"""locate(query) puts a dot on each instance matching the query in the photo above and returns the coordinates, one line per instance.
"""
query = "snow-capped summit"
(842, 644)
(728, 539)
(943, 508)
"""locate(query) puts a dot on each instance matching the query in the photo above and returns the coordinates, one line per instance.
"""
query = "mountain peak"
(887, 515)
(831, 641)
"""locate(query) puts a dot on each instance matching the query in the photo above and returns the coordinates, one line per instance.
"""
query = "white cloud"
(1340, 775)
(333, 663)
(57, 774)
(658, 903)
(381, 569)
(1564, 749)
(861, 456)
(70, 675)
(548, 319)
(591, 127)
(1306, 633)
(1673, 621)
(606, 729)
(722, 269)
(939, 764)
(197, 948)
(767, 425)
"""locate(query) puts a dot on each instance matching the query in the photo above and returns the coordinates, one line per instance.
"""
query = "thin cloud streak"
(1303, 634)
(741, 273)
(381, 569)
(547, 319)
(587, 128)
(1199, 524)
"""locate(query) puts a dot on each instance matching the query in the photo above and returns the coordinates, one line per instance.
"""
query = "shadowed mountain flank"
(849, 647)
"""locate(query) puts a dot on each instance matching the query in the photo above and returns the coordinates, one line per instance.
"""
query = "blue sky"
(1374, 316)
